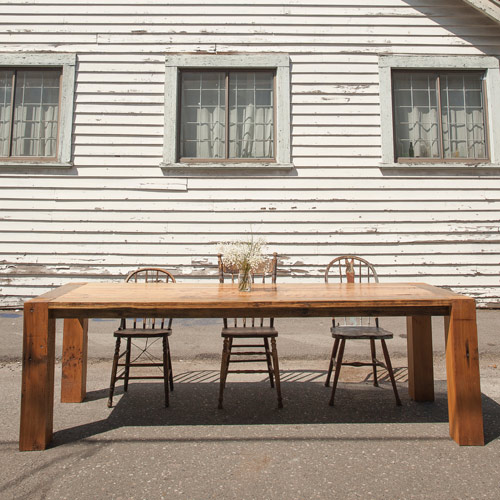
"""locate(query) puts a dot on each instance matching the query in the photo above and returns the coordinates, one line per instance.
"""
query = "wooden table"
(79, 301)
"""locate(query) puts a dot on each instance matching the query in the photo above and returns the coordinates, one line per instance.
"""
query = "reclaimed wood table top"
(217, 300)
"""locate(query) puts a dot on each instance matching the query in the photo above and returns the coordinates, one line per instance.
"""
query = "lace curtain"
(446, 108)
(33, 128)
(206, 111)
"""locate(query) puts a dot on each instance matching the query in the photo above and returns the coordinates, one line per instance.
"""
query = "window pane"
(5, 110)
(202, 131)
(36, 113)
(462, 115)
(416, 115)
(251, 114)
(203, 114)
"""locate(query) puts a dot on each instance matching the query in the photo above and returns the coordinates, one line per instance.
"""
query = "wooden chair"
(145, 329)
(353, 269)
(250, 330)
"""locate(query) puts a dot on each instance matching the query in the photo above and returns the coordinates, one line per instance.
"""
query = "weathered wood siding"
(116, 210)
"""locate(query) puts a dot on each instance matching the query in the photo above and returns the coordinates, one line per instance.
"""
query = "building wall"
(117, 210)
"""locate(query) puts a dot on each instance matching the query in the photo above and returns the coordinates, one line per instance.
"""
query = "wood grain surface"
(222, 300)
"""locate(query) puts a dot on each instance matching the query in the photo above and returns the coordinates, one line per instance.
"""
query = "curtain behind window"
(251, 114)
(5, 110)
(35, 114)
(204, 115)
(439, 115)
(203, 126)
(462, 115)
(416, 119)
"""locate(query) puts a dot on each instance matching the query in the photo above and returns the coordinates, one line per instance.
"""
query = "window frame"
(438, 74)
(489, 65)
(67, 64)
(227, 158)
(175, 63)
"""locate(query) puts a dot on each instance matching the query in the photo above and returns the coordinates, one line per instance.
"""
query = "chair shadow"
(194, 403)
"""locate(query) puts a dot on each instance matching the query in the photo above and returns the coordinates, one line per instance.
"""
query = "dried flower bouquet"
(246, 257)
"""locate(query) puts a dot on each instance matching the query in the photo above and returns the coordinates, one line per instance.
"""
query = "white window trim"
(68, 63)
(488, 64)
(175, 63)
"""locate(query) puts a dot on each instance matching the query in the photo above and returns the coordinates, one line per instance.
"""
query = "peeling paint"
(201, 261)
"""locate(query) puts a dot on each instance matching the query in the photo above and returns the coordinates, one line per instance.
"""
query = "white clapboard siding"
(404, 263)
(116, 210)
(126, 229)
(79, 201)
(319, 201)
(211, 183)
(250, 29)
(249, 222)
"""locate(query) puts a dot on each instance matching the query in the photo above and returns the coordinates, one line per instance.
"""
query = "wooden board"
(221, 300)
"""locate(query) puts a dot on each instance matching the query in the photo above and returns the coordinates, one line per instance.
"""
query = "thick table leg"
(74, 361)
(37, 396)
(462, 367)
(420, 368)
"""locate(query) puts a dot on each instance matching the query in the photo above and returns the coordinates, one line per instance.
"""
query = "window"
(29, 112)
(441, 115)
(227, 115)
(36, 94)
(229, 111)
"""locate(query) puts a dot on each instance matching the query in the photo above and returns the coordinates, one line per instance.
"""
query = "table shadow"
(305, 398)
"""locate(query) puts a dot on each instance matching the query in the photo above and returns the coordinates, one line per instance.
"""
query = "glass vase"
(244, 281)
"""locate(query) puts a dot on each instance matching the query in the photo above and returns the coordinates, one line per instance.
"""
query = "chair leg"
(166, 371)
(127, 363)
(337, 371)
(171, 373)
(374, 362)
(332, 361)
(389, 369)
(269, 361)
(228, 360)
(113, 372)
(276, 371)
(223, 370)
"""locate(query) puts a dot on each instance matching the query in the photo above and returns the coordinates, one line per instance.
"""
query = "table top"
(224, 300)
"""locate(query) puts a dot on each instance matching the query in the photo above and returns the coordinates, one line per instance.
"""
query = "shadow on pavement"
(194, 403)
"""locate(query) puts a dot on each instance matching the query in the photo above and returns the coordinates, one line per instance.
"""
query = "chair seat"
(250, 332)
(360, 332)
(143, 332)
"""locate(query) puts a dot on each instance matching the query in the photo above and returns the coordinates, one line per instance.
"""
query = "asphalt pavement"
(365, 447)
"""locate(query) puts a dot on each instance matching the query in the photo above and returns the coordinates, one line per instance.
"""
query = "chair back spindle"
(148, 275)
(351, 269)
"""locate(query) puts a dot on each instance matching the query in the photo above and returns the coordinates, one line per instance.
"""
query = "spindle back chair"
(352, 269)
(144, 329)
(242, 329)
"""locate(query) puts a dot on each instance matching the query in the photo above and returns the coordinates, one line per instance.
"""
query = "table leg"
(462, 367)
(37, 393)
(74, 361)
(420, 366)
